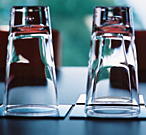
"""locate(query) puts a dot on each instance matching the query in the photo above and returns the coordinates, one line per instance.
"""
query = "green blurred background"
(73, 18)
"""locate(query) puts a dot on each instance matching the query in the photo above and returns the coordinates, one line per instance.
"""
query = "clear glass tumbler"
(112, 84)
(30, 71)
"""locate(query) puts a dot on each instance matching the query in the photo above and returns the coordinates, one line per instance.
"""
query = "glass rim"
(31, 8)
(112, 7)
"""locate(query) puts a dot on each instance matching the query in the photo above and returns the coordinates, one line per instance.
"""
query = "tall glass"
(112, 84)
(30, 71)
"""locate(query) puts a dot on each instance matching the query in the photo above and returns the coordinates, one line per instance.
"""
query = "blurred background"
(73, 19)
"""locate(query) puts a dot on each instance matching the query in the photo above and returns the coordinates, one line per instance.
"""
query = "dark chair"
(140, 40)
(57, 45)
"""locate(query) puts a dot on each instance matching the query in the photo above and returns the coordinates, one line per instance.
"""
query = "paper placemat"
(63, 111)
(78, 111)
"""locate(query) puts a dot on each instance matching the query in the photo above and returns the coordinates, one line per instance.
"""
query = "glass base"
(112, 111)
(31, 110)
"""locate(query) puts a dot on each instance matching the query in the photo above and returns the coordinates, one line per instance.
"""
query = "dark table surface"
(71, 82)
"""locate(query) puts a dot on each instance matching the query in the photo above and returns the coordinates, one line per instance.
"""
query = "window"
(73, 18)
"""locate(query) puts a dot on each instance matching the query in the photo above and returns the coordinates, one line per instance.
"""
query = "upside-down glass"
(30, 71)
(112, 84)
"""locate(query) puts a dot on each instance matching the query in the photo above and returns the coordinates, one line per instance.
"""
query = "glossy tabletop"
(71, 82)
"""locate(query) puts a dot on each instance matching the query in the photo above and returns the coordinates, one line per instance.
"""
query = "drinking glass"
(112, 84)
(30, 71)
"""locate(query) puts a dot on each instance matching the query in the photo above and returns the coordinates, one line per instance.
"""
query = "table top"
(71, 82)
